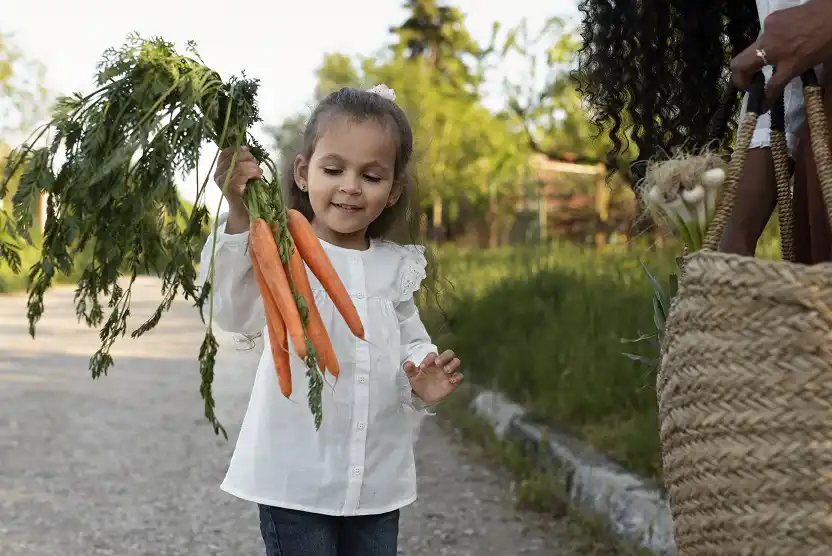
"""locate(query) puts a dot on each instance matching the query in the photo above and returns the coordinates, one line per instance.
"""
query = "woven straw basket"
(745, 382)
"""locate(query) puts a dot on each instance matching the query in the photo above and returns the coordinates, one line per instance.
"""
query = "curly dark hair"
(655, 73)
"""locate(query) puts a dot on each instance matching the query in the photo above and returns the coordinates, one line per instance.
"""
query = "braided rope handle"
(819, 136)
(819, 139)
(780, 154)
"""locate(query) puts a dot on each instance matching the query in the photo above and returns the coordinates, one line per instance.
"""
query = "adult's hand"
(794, 40)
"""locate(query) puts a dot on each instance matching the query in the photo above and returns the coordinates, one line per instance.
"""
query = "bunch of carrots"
(147, 120)
(287, 295)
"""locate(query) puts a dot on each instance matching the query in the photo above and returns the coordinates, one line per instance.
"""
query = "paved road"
(126, 465)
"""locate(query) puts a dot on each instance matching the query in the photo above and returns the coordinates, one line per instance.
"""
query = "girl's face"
(349, 179)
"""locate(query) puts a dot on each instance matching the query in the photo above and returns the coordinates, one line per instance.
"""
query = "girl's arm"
(238, 307)
(415, 346)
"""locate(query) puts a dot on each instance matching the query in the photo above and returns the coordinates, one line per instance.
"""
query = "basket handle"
(819, 136)
(819, 139)
(782, 175)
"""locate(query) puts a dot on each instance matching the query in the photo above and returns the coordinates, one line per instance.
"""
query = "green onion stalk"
(112, 205)
(688, 206)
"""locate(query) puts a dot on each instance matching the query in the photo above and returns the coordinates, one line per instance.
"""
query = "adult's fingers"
(779, 79)
(745, 64)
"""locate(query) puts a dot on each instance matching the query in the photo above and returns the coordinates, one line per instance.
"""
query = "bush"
(13, 283)
(545, 324)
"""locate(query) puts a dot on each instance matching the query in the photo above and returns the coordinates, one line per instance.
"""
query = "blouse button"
(362, 379)
(360, 295)
(361, 426)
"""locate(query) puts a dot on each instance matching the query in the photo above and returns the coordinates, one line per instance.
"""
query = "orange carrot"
(313, 253)
(315, 326)
(277, 331)
(265, 250)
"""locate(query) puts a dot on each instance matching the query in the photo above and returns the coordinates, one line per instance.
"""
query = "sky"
(280, 45)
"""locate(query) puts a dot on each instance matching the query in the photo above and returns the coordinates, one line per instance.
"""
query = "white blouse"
(361, 460)
(792, 95)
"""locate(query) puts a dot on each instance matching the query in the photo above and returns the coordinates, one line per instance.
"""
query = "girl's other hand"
(435, 378)
(245, 168)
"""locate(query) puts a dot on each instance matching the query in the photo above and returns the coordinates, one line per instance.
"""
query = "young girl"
(337, 491)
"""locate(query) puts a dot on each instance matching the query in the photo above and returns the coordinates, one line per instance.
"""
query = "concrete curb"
(632, 509)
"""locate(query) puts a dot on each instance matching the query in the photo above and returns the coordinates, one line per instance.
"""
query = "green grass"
(544, 325)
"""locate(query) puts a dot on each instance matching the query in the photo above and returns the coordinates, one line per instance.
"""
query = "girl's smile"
(350, 179)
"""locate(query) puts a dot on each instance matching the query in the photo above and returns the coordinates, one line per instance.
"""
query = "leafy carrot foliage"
(123, 147)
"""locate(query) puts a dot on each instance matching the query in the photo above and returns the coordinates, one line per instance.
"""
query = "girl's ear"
(301, 171)
(395, 193)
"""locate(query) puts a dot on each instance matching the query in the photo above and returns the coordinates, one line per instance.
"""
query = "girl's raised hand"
(435, 378)
(245, 168)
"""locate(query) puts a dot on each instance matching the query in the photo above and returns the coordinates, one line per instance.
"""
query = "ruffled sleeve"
(415, 342)
(412, 271)
(238, 307)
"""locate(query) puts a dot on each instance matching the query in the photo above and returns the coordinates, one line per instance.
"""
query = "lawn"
(545, 325)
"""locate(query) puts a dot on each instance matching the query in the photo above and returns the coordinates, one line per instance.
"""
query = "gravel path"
(127, 466)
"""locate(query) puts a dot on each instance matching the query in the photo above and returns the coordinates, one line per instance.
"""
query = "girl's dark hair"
(361, 106)
(655, 72)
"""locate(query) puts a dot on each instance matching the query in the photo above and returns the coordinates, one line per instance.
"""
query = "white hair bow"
(384, 92)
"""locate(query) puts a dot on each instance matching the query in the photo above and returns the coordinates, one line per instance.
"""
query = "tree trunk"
(438, 227)
(493, 228)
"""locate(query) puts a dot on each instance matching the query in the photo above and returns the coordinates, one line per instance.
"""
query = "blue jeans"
(296, 533)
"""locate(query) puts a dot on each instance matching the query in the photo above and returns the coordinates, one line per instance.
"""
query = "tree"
(466, 158)
(548, 106)
(438, 34)
(24, 96)
(23, 100)
(434, 39)
(336, 71)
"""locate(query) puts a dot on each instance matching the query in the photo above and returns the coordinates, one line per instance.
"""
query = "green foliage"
(546, 101)
(336, 71)
(661, 309)
(115, 197)
(437, 34)
(543, 324)
(22, 93)
(462, 149)
(467, 153)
